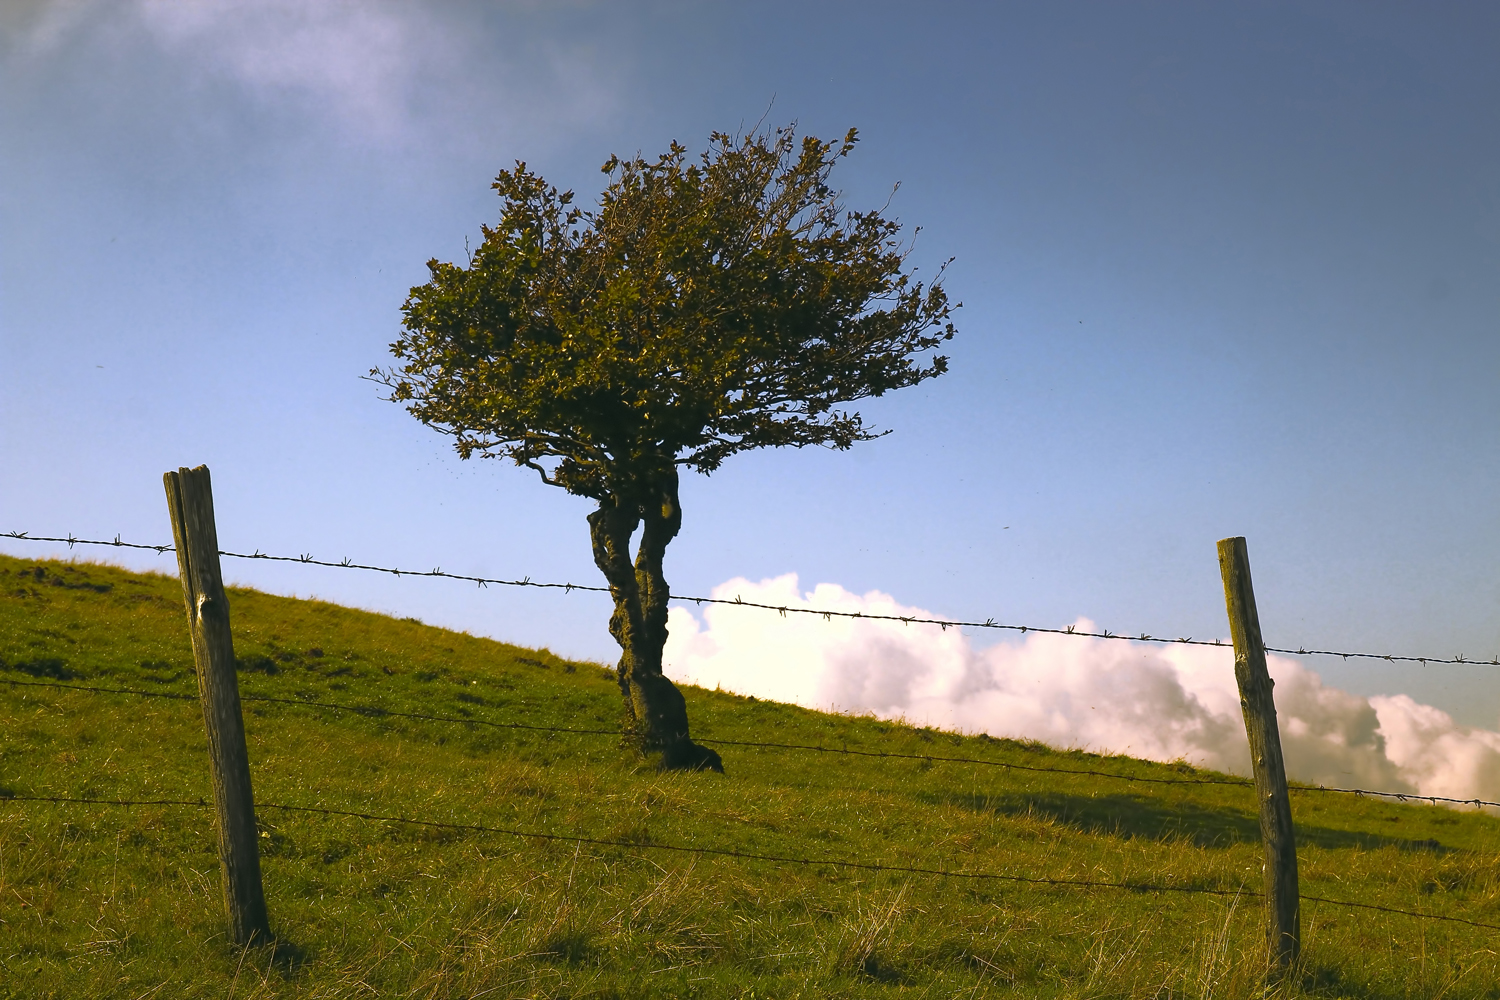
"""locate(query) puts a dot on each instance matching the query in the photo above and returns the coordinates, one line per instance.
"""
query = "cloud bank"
(1162, 703)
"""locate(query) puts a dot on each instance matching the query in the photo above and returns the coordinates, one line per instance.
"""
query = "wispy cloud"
(1162, 703)
(359, 61)
(378, 70)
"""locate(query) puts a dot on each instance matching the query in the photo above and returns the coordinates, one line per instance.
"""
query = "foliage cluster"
(701, 309)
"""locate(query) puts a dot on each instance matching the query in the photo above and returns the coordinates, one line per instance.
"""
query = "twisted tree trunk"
(656, 721)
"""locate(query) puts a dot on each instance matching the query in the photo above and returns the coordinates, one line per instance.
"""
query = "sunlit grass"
(116, 902)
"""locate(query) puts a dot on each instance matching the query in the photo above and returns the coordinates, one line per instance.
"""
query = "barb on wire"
(347, 563)
(1066, 883)
(1493, 661)
(1399, 796)
(826, 614)
(70, 541)
(377, 711)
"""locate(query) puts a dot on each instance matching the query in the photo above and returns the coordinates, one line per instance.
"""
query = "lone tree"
(703, 308)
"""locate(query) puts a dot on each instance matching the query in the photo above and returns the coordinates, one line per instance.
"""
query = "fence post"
(191, 503)
(1284, 930)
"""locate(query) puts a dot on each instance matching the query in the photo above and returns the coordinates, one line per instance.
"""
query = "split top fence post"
(191, 503)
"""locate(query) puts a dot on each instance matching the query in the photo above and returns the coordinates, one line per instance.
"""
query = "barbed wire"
(1239, 782)
(746, 855)
(366, 710)
(71, 541)
(377, 711)
(828, 614)
(308, 560)
(1399, 796)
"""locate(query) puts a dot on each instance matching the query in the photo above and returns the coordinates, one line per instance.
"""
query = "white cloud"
(357, 59)
(378, 70)
(1440, 757)
(1158, 702)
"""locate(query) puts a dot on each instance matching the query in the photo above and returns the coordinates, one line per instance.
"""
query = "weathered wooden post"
(1284, 930)
(191, 502)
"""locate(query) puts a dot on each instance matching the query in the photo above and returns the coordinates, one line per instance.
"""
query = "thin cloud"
(1162, 703)
(376, 70)
(359, 61)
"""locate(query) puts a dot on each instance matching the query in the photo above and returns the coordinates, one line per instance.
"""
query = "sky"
(1226, 269)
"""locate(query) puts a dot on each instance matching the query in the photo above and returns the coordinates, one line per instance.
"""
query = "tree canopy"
(701, 309)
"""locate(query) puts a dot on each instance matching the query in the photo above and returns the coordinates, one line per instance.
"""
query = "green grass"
(99, 901)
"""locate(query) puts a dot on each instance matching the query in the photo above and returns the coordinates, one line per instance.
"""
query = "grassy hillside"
(99, 901)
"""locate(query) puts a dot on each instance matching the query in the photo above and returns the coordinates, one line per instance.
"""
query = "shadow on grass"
(1319, 979)
(288, 957)
(569, 947)
(1129, 816)
(276, 954)
(48, 667)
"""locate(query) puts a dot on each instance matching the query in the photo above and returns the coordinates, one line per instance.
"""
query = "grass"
(99, 901)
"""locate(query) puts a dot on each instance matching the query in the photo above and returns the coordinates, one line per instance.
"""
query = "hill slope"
(109, 901)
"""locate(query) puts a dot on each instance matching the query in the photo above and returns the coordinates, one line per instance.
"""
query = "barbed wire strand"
(366, 710)
(745, 855)
(377, 711)
(827, 614)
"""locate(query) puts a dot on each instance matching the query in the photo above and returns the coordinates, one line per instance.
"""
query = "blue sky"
(1226, 269)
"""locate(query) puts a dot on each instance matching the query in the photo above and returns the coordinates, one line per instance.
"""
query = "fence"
(198, 555)
(826, 614)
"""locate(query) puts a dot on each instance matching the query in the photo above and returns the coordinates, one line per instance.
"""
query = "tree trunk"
(656, 721)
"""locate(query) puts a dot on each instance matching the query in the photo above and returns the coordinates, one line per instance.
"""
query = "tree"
(704, 307)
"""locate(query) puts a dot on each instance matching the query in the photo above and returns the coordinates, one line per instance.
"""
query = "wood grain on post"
(191, 502)
(1285, 930)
